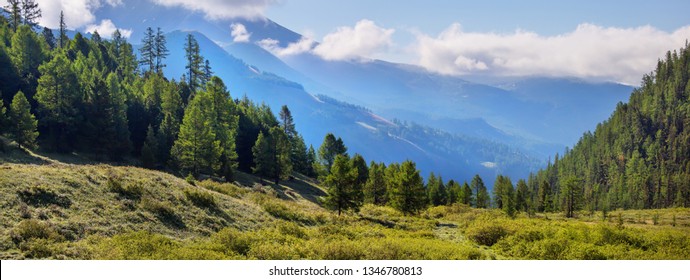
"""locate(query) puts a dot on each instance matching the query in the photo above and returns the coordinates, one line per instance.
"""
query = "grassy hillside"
(50, 209)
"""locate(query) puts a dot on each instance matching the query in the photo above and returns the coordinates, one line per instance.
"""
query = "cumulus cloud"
(222, 9)
(346, 43)
(239, 33)
(590, 51)
(106, 29)
(78, 13)
(364, 40)
(305, 44)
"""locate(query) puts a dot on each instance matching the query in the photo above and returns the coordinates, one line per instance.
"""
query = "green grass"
(65, 211)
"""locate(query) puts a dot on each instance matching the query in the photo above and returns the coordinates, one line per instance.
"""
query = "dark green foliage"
(330, 148)
(147, 51)
(48, 37)
(343, 191)
(482, 195)
(24, 124)
(522, 196)
(465, 196)
(639, 157)
(148, 151)
(196, 149)
(63, 40)
(15, 12)
(30, 12)
(375, 187)
(200, 198)
(44, 196)
(58, 100)
(436, 190)
(194, 64)
(571, 192)
(406, 189)
(160, 51)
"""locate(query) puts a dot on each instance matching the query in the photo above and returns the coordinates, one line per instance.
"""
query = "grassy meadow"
(55, 210)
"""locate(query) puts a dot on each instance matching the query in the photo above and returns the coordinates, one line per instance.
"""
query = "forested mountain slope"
(639, 157)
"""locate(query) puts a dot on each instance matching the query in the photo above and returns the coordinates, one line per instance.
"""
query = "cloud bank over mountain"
(590, 51)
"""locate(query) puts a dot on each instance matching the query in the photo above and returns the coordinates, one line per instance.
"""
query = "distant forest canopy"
(96, 96)
(639, 158)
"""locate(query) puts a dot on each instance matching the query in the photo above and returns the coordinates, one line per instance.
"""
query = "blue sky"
(546, 17)
(599, 40)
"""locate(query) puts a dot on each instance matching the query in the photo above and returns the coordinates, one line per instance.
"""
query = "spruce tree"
(454, 191)
(24, 124)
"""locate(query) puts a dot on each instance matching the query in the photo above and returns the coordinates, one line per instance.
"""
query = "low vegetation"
(105, 212)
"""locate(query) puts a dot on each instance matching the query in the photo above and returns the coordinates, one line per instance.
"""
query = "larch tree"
(24, 124)
(466, 196)
(196, 149)
(407, 192)
(194, 62)
(58, 99)
(48, 37)
(148, 51)
(264, 157)
(15, 10)
(160, 51)
(63, 40)
(342, 193)
(375, 187)
(330, 148)
(30, 12)
(482, 195)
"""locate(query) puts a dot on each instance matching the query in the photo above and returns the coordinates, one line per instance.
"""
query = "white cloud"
(222, 9)
(305, 44)
(346, 43)
(106, 29)
(78, 13)
(590, 51)
(364, 40)
(239, 33)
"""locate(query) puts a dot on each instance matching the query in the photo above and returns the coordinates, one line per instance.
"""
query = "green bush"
(130, 190)
(43, 196)
(224, 188)
(200, 198)
(33, 229)
(486, 234)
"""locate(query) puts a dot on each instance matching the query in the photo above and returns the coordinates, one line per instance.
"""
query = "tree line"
(96, 96)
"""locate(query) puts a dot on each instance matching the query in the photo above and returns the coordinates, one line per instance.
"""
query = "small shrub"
(43, 196)
(200, 198)
(224, 188)
(655, 219)
(234, 240)
(164, 212)
(190, 179)
(486, 234)
(33, 229)
(130, 190)
(673, 221)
